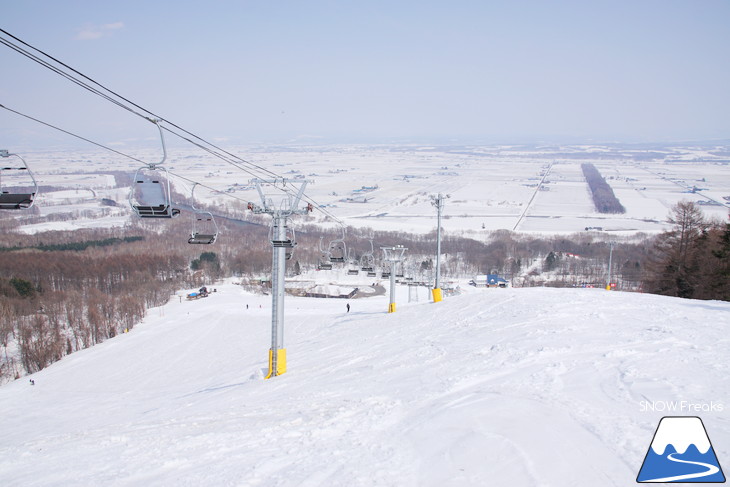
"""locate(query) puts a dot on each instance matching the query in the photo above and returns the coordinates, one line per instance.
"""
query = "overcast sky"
(282, 70)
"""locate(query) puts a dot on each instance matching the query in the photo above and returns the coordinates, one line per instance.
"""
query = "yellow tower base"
(391, 308)
(280, 363)
(436, 295)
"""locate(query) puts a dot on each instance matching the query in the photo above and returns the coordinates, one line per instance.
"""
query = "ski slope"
(501, 387)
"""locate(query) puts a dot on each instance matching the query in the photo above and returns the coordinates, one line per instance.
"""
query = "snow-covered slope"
(501, 387)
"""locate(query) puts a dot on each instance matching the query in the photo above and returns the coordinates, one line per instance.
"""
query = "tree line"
(603, 198)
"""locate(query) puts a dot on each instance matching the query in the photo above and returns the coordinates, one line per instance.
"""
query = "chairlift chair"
(205, 229)
(13, 198)
(324, 264)
(200, 237)
(150, 196)
(352, 265)
(338, 249)
(367, 261)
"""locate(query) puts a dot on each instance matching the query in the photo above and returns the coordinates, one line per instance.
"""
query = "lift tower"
(280, 206)
(438, 202)
(394, 255)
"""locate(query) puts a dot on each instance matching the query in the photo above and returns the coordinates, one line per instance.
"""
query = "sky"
(375, 71)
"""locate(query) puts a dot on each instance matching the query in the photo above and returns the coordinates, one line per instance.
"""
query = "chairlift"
(205, 229)
(352, 265)
(338, 249)
(17, 196)
(150, 196)
(367, 261)
(324, 263)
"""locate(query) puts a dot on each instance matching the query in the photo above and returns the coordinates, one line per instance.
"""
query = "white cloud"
(113, 26)
(90, 32)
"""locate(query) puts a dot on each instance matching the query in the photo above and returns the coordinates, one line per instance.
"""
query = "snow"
(490, 187)
(519, 387)
(681, 432)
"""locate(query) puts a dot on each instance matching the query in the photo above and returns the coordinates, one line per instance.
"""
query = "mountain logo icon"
(680, 452)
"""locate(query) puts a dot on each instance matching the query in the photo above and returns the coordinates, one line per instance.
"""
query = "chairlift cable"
(111, 99)
(122, 105)
(71, 134)
(116, 102)
(116, 151)
(66, 75)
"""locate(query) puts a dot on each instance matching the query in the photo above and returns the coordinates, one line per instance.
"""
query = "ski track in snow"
(518, 387)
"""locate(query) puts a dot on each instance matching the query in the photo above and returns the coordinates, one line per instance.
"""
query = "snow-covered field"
(389, 187)
(502, 387)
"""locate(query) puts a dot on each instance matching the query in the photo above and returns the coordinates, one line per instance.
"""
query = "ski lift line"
(214, 153)
(223, 193)
(321, 209)
(157, 118)
(151, 119)
(209, 188)
(66, 75)
(71, 134)
(102, 146)
(111, 99)
(103, 95)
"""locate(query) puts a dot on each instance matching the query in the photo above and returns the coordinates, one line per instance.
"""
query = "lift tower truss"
(393, 255)
(281, 205)
(438, 202)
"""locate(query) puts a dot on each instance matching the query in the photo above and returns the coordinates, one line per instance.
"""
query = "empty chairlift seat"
(14, 184)
(16, 201)
(150, 193)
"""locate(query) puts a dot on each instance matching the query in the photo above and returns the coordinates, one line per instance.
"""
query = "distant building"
(489, 280)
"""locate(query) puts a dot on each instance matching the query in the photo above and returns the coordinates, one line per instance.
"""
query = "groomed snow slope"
(501, 387)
